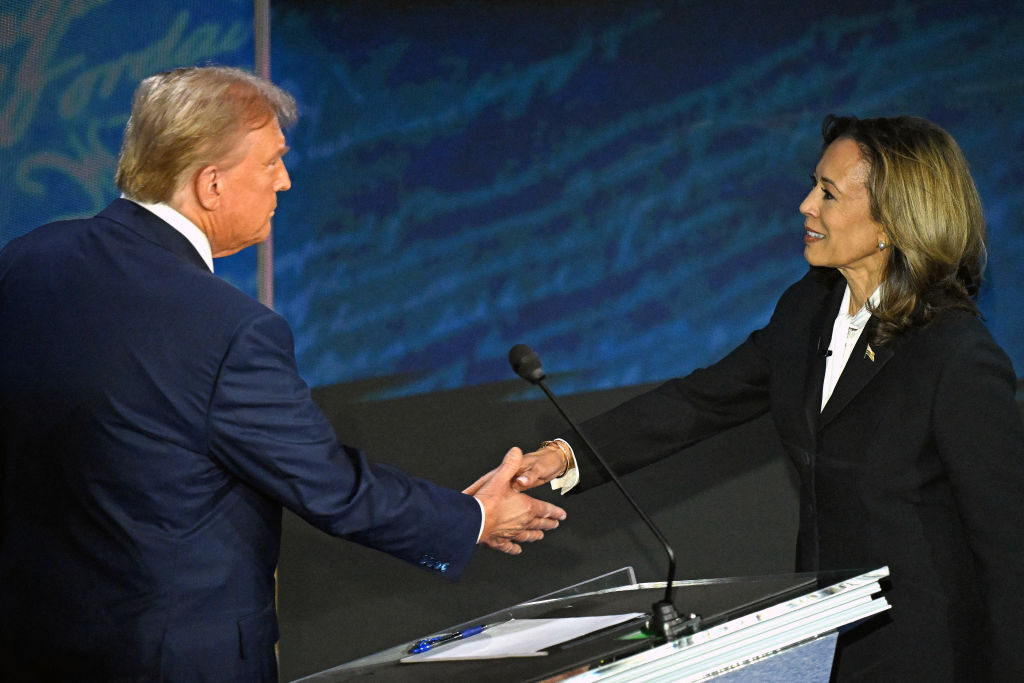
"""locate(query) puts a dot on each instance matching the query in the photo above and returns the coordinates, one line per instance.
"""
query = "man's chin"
(235, 248)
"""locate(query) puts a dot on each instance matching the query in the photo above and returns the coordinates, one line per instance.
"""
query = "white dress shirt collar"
(846, 331)
(196, 237)
(861, 317)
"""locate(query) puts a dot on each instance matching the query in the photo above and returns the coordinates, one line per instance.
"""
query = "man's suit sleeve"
(265, 429)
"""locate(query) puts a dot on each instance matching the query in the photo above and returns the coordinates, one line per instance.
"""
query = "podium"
(768, 628)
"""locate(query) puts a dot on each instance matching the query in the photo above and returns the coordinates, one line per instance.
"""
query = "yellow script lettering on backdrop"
(44, 25)
(83, 156)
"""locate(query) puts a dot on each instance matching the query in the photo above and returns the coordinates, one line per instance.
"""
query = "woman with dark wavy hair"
(891, 398)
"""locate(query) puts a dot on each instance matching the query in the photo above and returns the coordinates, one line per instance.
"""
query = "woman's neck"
(862, 285)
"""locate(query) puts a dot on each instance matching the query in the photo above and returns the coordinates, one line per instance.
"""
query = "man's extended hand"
(511, 517)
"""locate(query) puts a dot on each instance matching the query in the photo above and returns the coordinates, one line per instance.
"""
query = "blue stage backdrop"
(614, 183)
(67, 72)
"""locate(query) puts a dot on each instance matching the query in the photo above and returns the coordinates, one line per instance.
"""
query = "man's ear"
(206, 184)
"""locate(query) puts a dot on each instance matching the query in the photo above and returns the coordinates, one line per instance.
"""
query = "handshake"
(510, 516)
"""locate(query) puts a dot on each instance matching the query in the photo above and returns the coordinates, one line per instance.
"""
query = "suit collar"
(149, 226)
(186, 227)
(859, 370)
(823, 322)
(863, 365)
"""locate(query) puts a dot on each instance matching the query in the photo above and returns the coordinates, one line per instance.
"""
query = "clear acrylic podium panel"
(780, 627)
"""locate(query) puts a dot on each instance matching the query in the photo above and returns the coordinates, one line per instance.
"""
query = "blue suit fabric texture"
(916, 462)
(152, 426)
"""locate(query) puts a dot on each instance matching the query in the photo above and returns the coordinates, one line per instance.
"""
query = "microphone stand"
(666, 624)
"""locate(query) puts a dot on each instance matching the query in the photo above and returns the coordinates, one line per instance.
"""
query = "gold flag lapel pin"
(869, 353)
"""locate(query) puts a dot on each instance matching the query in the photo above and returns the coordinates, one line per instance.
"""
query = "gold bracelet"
(561, 449)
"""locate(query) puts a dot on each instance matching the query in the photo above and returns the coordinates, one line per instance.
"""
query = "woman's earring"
(882, 245)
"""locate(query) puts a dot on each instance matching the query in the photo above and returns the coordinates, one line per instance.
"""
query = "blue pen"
(430, 643)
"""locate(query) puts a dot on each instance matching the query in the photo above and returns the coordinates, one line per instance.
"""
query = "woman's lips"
(810, 236)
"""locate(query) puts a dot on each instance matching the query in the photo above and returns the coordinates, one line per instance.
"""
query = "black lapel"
(865, 362)
(153, 228)
(824, 322)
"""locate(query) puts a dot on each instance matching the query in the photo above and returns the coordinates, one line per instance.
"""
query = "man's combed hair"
(188, 118)
(924, 197)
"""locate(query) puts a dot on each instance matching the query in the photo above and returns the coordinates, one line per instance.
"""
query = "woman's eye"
(824, 192)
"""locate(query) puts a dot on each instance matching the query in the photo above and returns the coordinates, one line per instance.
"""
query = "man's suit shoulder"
(43, 236)
(157, 272)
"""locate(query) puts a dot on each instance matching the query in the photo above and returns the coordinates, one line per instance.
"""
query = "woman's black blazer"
(916, 462)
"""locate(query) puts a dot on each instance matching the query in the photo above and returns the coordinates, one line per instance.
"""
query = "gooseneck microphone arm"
(665, 621)
(615, 479)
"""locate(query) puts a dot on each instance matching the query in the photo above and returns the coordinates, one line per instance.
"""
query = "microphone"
(823, 350)
(665, 623)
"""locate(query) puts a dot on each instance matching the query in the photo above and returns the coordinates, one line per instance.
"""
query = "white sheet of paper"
(519, 638)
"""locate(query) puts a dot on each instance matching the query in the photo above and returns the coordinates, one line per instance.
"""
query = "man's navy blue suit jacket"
(152, 425)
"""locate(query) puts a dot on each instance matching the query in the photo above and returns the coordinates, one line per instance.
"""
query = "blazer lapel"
(824, 322)
(865, 362)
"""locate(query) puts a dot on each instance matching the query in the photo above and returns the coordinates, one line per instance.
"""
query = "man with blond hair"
(153, 423)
